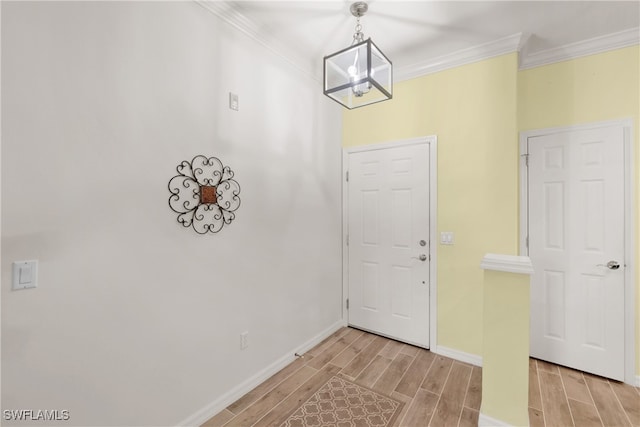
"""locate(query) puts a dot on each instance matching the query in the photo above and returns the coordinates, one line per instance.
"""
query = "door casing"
(432, 142)
(630, 243)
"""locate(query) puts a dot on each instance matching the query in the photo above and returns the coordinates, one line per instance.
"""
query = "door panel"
(576, 226)
(388, 205)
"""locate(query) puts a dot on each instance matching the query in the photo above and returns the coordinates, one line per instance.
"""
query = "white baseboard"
(461, 356)
(487, 421)
(243, 388)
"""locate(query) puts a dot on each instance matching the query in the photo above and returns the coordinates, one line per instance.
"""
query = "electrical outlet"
(244, 340)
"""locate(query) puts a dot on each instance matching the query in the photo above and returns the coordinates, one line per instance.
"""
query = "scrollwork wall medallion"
(204, 194)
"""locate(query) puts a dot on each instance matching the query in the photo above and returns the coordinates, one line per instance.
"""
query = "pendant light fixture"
(360, 74)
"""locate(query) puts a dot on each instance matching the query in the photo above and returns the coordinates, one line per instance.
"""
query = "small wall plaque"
(204, 194)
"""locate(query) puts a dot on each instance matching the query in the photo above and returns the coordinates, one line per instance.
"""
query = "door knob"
(421, 257)
(611, 265)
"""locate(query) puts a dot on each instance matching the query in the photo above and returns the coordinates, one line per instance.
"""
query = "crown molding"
(229, 14)
(513, 43)
(587, 47)
(509, 44)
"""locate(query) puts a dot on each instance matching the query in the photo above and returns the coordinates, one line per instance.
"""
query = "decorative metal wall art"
(204, 195)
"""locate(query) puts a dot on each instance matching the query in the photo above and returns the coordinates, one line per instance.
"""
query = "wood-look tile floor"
(560, 396)
(437, 391)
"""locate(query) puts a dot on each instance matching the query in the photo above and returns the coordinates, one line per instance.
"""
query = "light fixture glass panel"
(381, 69)
(345, 66)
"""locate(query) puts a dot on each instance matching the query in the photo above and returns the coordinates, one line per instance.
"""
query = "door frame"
(629, 225)
(432, 142)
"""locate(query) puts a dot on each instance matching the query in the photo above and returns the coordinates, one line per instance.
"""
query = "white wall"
(136, 320)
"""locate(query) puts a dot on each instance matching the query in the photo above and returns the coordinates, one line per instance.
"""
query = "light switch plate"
(25, 275)
(233, 101)
(446, 237)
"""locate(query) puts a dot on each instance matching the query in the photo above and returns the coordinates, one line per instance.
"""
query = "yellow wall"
(472, 110)
(477, 111)
(505, 357)
(590, 89)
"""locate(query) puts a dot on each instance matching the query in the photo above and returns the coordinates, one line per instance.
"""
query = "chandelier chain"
(358, 36)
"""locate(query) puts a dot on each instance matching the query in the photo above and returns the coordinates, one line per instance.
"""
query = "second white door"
(576, 246)
(388, 229)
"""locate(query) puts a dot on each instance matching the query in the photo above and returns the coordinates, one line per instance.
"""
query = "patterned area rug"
(341, 403)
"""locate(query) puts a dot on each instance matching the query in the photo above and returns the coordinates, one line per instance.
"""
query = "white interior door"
(388, 251)
(576, 245)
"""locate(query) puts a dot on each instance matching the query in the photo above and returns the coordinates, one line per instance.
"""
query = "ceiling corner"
(232, 16)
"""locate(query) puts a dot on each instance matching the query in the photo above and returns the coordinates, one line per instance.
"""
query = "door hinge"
(347, 240)
(526, 159)
(347, 176)
(347, 303)
(526, 242)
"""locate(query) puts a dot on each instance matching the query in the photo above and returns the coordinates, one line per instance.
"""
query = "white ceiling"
(416, 32)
